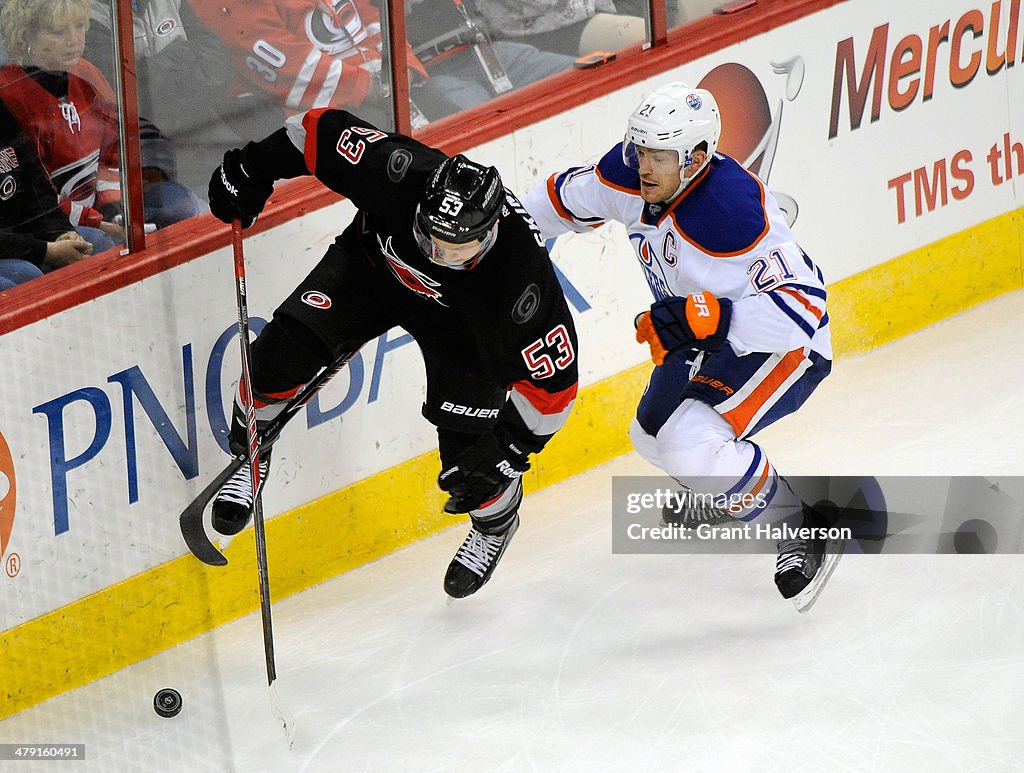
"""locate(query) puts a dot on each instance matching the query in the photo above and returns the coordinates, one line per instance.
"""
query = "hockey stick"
(191, 518)
(253, 448)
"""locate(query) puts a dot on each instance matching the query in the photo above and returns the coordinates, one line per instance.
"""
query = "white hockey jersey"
(725, 234)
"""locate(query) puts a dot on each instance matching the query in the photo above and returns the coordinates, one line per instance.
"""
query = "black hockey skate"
(232, 506)
(804, 566)
(479, 554)
(692, 515)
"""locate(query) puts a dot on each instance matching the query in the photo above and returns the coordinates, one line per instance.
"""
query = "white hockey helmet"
(675, 117)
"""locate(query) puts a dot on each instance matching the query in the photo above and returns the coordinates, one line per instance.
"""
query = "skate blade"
(804, 600)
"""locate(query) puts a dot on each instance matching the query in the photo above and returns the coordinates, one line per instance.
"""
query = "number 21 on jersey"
(766, 273)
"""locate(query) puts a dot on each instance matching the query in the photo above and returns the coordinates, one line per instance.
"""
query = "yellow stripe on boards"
(926, 285)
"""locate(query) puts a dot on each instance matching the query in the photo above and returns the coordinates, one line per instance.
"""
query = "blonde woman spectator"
(66, 108)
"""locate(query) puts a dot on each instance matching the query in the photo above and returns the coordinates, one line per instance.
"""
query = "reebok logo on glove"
(227, 184)
(508, 470)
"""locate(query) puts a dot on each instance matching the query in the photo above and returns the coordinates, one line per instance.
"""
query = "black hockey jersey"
(511, 301)
(29, 215)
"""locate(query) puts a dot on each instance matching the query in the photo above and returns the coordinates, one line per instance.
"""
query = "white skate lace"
(703, 514)
(792, 555)
(238, 488)
(479, 550)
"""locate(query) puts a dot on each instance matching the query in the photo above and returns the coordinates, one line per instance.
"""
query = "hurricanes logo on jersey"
(335, 27)
(413, 278)
(316, 299)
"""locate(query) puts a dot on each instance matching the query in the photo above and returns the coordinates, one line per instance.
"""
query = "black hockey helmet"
(461, 204)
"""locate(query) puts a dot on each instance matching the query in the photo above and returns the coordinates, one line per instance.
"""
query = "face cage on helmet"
(435, 253)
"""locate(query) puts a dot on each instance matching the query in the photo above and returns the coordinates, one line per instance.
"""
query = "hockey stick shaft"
(191, 518)
(253, 449)
(252, 444)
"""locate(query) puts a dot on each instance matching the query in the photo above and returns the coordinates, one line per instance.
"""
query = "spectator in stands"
(303, 54)
(466, 65)
(35, 235)
(569, 27)
(165, 200)
(182, 68)
(182, 73)
(306, 55)
(66, 107)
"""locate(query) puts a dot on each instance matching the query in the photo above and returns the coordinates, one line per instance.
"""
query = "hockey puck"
(167, 702)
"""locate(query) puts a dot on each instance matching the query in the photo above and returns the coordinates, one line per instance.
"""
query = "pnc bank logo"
(8, 495)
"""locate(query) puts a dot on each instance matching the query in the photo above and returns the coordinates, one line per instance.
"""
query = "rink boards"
(898, 153)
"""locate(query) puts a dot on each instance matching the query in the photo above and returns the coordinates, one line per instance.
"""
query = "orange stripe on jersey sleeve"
(309, 123)
(800, 297)
(605, 181)
(556, 201)
(741, 416)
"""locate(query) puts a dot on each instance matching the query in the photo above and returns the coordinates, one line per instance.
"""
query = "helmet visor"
(460, 257)
(660, 160)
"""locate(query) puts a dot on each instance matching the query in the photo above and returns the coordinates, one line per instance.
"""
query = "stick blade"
(191, 521)
(194, 534)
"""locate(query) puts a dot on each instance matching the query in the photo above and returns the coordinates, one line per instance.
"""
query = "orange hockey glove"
(699, 320)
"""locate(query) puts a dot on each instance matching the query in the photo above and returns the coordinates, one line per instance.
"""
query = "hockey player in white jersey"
(738, 329)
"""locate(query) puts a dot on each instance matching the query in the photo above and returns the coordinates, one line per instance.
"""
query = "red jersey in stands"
(307, 54)
(71, 120)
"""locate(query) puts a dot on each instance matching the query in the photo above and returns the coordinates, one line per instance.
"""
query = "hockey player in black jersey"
(439, 247)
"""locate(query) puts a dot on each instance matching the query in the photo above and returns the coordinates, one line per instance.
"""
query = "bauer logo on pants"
(7, 495)
(316, 299)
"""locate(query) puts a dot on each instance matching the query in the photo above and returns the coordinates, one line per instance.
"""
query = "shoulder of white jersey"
(614, 174)
(590, 184)
(724, 213)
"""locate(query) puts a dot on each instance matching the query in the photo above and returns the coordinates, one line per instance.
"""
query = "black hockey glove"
(235, 192)
(699, 320)
(482, 472)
